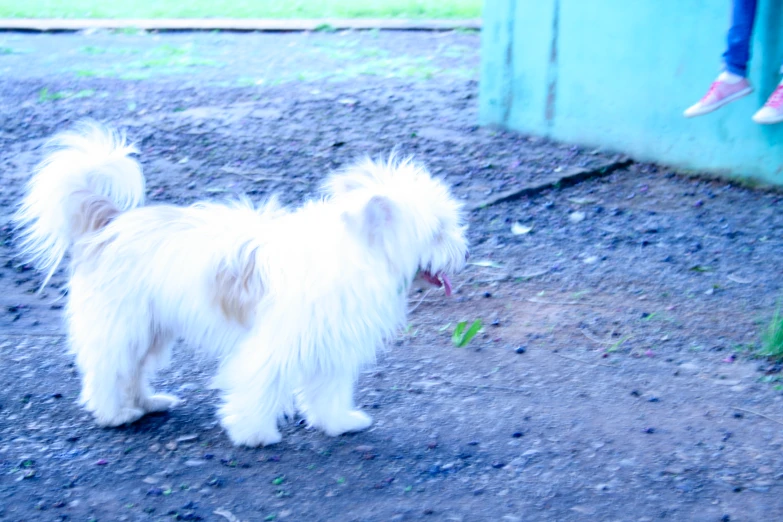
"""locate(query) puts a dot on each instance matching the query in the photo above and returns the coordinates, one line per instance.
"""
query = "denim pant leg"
(737, 53)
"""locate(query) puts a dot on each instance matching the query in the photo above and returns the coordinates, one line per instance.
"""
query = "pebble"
(195, 462)
(577, 217)
(520, 349)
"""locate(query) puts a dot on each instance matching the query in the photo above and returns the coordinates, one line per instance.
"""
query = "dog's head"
(405, 214)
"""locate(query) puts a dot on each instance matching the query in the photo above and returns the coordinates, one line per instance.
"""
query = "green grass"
(463, 333)
(241, 9)
(772, 338)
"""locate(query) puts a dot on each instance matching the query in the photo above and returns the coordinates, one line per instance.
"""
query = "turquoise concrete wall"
(618, 74)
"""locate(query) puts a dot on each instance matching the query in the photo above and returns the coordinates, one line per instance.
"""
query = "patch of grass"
(772, 338)
(128, 30)
(325, 28)
(45, 96)
(163, 59)
(463, 333)
(241, 9)
(11, 50)
(95, 50)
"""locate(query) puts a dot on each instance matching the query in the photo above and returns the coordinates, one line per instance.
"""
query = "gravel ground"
(614, 378)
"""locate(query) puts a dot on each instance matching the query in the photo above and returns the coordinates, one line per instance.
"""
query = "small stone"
(577, 217)
(101, 462)
(155, 448)
(150, 480)
(653, 399)
(520, 349)
(635, 393)
(498, 464)
(649, 431)
(171, 446)
(517, 434)
(487, 295)
(187, 438)
(432, 444)
(192, 463)
(363, 448)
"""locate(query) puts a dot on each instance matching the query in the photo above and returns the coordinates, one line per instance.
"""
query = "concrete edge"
(234, 24)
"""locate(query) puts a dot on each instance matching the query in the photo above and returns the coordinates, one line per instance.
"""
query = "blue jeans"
(737, 53)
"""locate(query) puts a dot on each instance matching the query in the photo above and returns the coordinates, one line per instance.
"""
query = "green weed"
(772, 338)
(463, 333)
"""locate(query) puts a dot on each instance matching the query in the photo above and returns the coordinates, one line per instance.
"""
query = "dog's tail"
(86, 180)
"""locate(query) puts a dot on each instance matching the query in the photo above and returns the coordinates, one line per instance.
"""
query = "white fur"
(293, 303)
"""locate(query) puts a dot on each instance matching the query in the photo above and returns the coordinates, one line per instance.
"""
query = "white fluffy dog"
(293, 303)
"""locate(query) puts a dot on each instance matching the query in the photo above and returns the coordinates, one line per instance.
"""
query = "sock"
(729, 77)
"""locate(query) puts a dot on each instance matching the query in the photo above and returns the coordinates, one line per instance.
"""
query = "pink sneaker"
(772, 111)
(721, 92)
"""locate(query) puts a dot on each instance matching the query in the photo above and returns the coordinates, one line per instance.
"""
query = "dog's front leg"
(253, 403)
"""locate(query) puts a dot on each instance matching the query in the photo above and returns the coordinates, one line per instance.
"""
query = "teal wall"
(618, 74)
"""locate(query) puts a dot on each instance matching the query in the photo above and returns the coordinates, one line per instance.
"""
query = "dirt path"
(636, 300)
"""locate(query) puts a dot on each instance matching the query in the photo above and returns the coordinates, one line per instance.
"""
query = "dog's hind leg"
(107, 382)
(327, 403)
(157, 356)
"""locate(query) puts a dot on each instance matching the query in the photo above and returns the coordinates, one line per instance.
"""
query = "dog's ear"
(374, 220)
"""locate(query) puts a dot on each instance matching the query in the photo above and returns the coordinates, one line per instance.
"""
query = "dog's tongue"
(439, 279)
(446, 284)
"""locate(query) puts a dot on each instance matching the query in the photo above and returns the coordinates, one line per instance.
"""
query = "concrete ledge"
(234, 24)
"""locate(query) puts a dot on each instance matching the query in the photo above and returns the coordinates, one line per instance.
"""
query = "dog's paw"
(244, 434)
(118, 418)
(159, 402)
(347, 422)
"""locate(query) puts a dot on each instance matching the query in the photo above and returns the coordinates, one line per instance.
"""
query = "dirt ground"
(614, 378)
